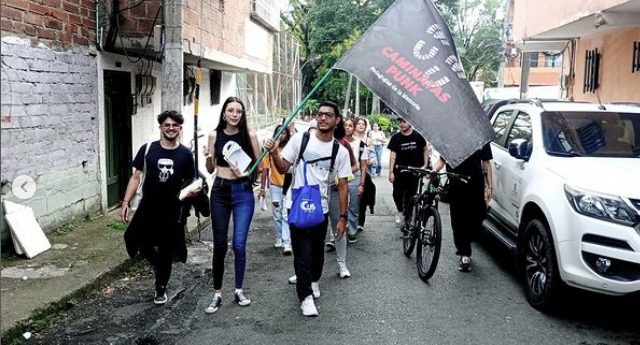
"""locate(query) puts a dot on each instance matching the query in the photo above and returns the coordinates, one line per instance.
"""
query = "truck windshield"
(591, 134)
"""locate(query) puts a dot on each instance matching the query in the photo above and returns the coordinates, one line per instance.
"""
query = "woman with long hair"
(231, 192)
(277, 190)
(378, 140)
(356, 186)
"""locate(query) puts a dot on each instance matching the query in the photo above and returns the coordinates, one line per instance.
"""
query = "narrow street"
(384, 301)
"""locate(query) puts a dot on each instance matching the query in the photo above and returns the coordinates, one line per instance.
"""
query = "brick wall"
(58, 22)
(217, 27)
(50, 129)
(138, 21)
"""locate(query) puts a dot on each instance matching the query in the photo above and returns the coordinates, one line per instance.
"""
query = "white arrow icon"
(23, 187)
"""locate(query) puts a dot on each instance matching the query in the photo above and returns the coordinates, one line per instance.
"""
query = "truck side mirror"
(520, 149)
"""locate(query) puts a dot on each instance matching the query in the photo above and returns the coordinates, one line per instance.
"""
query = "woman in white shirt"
(378, 140)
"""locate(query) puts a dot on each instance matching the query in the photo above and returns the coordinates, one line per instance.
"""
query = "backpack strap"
(334, 154)
(303, 146)
(361, 150)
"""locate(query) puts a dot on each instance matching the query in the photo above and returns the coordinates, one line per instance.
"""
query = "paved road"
(384, 302)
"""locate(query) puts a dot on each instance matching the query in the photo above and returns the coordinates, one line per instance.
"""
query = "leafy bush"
(383, 120)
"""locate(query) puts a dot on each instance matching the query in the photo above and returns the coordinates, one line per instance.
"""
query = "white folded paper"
(234, 155)
(193, 186)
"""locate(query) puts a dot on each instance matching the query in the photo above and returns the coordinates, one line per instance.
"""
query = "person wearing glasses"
(321, 149)
(155, 230)
(231, 192)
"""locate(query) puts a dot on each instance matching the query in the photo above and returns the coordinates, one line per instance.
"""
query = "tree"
(325, 30)
(476, 34)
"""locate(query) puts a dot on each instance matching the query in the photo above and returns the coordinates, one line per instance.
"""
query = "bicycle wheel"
(429, 242)
(410, 223)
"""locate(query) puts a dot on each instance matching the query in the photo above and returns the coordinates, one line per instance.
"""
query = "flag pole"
(286, 122)
(196, 101)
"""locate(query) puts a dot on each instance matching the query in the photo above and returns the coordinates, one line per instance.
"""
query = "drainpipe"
(524, 76)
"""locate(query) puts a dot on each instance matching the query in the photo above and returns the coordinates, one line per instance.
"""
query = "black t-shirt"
(472, 166)
(409, 149)
(167, 171)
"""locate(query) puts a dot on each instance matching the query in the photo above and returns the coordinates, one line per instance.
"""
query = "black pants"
(467, 209)
(161, 258)
(405, 187)
(308, 255)
(362, 215)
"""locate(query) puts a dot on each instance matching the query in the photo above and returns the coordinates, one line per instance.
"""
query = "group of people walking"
(314, 178)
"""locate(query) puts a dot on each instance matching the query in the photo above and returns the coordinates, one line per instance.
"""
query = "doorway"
(117, 95)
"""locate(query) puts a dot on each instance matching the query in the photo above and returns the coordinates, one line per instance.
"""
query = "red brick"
(39, 9)
(152, 9)
(21, 4)
(80, 40)
(53, 24)
(28, 30)
(72, 29)
(90, 23)
(53, 3)
(191, 17)
(47, 34)
(60, 15)
(11, 13)
(138, 11)
(35, 19)
(144, 26)
(128, 27)
(71, 8)
(7, 25)
(75, 19)
(64, 37)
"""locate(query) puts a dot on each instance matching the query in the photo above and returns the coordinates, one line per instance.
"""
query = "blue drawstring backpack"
(306, 201)
(306, 208)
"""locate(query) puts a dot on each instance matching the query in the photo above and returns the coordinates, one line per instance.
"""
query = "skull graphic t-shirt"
(167, 171)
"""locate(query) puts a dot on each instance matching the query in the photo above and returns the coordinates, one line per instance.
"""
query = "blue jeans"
(279, 215)
(378, 168)
(230, 196)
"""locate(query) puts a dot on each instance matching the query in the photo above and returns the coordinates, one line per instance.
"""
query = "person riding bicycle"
(468, 201)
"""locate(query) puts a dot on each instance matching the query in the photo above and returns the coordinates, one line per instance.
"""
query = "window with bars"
(591, 71)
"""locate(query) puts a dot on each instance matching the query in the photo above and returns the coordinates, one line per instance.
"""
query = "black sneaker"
(160, 297)
(465, 264)
(360, 228)
(241, 299)
(214, 305)
(352, 239)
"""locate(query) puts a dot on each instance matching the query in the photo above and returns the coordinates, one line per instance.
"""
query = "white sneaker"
(287, 250)
(399, 218)
(316, 289)
(293, 279)
(308, 307)
(343, 272)
(278, 244)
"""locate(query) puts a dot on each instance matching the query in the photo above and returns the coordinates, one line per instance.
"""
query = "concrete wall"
(50, 128)
(532, 17)
(617, 83)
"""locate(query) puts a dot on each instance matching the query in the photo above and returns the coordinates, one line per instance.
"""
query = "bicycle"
(422, 223)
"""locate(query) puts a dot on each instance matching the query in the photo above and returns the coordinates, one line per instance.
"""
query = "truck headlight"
(602, 206)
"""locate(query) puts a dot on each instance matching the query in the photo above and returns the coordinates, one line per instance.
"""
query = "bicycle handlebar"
(425, 172)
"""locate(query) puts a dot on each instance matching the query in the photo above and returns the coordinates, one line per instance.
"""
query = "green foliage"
(311, 107)
(476, 34)
(383, 120)
(118, 226)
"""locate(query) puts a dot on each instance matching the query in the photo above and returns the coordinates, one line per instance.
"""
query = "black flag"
(409, 60)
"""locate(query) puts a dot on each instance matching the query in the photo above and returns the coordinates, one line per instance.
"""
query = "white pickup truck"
(566, 181)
